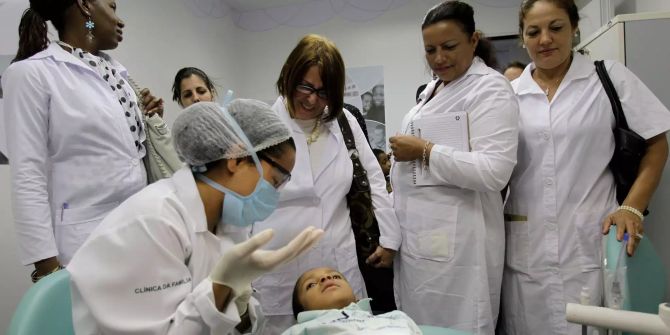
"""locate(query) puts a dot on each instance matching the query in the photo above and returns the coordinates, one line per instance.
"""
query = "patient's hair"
(297, 306)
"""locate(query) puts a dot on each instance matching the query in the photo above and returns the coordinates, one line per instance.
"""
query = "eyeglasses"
(285, 175)
(308, 90)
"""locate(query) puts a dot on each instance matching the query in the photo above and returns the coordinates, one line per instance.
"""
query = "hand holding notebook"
(449, 129)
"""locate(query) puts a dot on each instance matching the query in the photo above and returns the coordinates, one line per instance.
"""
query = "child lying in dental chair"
(324, 303)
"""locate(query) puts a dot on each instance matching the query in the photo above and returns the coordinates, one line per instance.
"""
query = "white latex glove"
(244, 262)
(242, 300)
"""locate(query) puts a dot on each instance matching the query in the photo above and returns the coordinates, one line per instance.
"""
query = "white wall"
(162, 36)
(639, 6)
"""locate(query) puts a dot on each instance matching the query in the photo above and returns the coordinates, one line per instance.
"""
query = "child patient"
(324, 303)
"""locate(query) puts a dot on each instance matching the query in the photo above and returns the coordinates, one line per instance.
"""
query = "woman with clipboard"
(446, 184)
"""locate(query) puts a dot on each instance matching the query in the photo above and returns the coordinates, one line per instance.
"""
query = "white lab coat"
(320, 200)
(562, 189)
(73, 158)
(145, 268)
(449, 269)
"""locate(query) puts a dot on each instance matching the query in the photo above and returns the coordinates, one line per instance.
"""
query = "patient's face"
(324, 288)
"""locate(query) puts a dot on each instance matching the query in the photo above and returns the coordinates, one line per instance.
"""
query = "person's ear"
(233, 165)
(474, 40)
(84, 7)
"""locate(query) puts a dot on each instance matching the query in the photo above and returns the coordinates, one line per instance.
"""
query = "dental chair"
(46, 308)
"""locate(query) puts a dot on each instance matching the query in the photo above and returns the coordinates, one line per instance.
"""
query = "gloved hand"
(244, 262)
(242, 300)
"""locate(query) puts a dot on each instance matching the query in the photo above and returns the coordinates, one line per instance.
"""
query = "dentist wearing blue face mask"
(175, 258)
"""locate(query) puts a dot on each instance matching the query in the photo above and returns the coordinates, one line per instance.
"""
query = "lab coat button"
(135, 161)
(548, 181)
(551, 227)
(545, 135)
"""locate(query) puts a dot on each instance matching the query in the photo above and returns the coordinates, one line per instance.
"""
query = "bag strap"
(360, 175)
(619, 116)
(346, 132)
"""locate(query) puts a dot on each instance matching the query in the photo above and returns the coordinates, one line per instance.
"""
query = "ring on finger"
(638, 236)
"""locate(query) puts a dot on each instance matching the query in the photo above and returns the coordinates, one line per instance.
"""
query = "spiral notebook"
(450, 129)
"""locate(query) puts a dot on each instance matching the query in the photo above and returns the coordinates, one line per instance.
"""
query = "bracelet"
(632, 210)
(424, 160)
(34, 277)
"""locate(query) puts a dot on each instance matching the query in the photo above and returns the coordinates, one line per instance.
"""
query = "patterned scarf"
(103, 66)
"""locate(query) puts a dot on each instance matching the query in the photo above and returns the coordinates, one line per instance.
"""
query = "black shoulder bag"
(378, 281)
(359, 199)
(629, 146)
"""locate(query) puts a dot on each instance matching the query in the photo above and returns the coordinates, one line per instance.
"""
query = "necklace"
(316, 131)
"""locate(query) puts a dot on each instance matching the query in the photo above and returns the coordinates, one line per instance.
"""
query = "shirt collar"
(187, 191)
(360, 305)
(56, 52)
(580, 68)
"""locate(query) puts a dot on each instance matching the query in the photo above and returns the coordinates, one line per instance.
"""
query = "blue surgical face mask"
(242, 210)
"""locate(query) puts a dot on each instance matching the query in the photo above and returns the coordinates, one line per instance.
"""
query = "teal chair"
(644, 276)
(46, 308)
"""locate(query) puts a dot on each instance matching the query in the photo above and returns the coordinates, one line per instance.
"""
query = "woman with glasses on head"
(311, 84)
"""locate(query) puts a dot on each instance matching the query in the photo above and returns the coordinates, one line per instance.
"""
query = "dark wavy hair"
(464, 15)
(33, 25)
(186, 72)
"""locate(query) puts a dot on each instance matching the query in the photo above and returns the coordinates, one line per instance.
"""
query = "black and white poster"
(365, 91)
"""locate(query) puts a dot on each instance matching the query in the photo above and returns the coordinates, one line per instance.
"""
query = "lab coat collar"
(184, 183)
(333, 136)
(58, 54)
(361, 305)
(580, 68)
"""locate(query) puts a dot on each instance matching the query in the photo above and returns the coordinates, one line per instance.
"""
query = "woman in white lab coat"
(73, 128)
(165, 261)
(449, 268)
(311, 85)
(562, 192)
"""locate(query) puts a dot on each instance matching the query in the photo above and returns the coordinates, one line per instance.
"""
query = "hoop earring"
(89, 24)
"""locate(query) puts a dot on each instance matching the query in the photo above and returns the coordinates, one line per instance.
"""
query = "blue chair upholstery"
(431, 330)
(46, 308)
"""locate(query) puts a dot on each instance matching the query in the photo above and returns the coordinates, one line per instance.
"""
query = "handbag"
(359, 199)
(161, 159)
(629, 146)
(378, 281)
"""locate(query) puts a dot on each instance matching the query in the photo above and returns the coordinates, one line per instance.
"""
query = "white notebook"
(449, 129)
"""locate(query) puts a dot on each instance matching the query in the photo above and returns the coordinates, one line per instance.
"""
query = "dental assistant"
(174, 258)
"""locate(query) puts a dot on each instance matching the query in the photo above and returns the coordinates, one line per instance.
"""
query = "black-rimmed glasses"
(286, 176)
(308, 89)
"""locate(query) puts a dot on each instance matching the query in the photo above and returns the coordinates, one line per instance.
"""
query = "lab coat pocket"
(433, 230)
(517, 242)
(589, 236)
(76, 225)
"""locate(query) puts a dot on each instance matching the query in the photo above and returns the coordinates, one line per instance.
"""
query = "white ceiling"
(249, 5)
